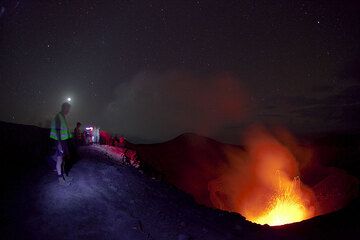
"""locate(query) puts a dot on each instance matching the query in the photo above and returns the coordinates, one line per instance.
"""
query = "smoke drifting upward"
(271, 179)
(263, 184)
(163, 105)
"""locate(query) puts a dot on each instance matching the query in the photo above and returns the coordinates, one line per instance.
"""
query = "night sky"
(154, 69)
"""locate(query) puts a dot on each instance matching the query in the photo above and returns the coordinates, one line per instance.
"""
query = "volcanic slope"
(110, 201)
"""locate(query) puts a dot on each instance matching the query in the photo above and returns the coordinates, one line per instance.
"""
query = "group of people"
(63, 140)
(88, 136)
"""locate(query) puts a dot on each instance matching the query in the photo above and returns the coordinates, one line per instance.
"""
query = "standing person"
(60, 135)
(77, 134)
(96, 135)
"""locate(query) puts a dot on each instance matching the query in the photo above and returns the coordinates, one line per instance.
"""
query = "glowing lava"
(286, 206)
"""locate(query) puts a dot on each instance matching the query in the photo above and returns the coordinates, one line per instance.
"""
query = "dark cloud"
(329, 111)
(162, 105)
(338, 111)
(322, 88)
(351, 70)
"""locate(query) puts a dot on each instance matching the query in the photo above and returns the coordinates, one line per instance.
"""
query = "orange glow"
(262, 184)
(285, 207)
(265, 179)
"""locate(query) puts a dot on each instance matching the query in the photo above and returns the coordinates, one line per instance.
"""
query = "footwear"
(67, 178)
(62, 182)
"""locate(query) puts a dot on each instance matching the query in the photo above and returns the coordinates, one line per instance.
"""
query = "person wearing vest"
(60, 135)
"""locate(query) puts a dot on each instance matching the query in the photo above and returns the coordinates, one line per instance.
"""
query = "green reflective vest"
(63, 128)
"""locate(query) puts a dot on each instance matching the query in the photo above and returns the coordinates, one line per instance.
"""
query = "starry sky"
(154, 69)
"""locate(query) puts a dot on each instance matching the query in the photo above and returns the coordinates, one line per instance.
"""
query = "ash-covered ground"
(111, 201)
